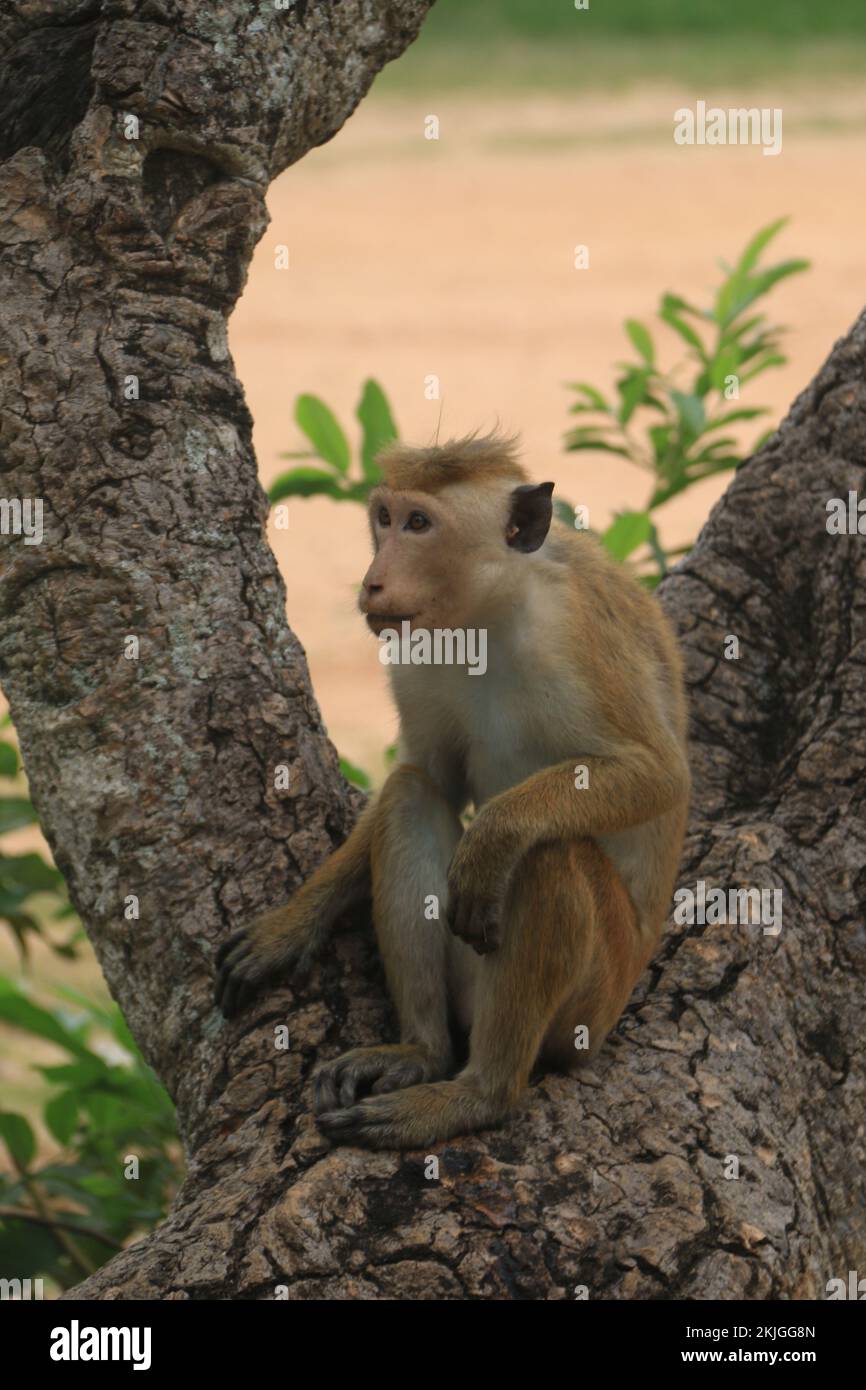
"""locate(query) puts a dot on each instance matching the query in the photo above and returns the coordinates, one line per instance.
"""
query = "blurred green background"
(553, 18)
(544, 42)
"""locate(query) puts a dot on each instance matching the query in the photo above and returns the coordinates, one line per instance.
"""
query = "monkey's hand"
(278, 942)
(476, 889)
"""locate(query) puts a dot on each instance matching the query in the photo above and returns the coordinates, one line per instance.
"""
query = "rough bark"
(155, 777)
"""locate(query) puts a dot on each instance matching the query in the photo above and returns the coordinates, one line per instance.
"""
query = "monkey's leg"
(414, 838)
(569, 956)
(289, 937)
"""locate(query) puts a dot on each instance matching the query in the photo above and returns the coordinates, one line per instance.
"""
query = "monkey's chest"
(504, 744)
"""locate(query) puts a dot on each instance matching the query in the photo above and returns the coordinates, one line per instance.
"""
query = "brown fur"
(474, 459)
(553, 899)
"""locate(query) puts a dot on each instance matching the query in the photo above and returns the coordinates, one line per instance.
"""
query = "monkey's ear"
(531, 514)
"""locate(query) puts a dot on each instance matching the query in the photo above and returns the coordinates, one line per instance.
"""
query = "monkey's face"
(430, 555)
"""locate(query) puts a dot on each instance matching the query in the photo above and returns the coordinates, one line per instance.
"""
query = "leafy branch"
(671, 422)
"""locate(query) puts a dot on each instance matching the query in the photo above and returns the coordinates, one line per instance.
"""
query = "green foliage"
(25, 877)
(671, 422)
(105, 1106)
(339, 480)
(103, 1103)
(330, 446)
(461, 20)
(355, 775)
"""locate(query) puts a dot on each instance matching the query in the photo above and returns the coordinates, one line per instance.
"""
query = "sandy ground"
(410, 257)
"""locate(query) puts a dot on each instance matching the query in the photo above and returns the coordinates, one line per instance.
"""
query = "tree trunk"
(154, 777)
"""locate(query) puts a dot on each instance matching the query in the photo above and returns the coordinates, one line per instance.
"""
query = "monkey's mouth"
(378, 622)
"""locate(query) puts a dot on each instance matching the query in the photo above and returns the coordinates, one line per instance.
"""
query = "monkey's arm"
(289, 937)
(636, 784)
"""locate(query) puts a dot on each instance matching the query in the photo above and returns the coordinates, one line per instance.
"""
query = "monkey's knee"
(610, 957)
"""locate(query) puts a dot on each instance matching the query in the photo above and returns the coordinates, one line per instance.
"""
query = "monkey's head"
(451, 526)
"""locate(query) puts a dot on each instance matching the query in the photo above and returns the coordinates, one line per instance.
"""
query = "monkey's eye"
(383, 517)
(417, 522)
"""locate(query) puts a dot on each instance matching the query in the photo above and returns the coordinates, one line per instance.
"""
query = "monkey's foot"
(412, 1119)
(267, 948)
(390, 1067)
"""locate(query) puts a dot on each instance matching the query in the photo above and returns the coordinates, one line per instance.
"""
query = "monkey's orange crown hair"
(475, 458)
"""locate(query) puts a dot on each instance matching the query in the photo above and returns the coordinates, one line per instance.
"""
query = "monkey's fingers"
(475, 921)
(228, 944)
(228, 972)
(234, 989)
(403, 1119)
(373, 1123)
(337, 1083)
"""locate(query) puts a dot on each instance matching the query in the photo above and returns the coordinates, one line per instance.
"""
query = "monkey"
(569, 751)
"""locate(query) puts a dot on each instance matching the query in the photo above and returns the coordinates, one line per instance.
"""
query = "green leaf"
(690, 410)
(8, 760)
(678, 305)
(684, 329)
(752, 252)
(658, 551)
(320, 426)
(23, 1013)
(19, 1137)
(738, 293)
(594, 397)
(16, 811)
(774, 360)
(661, 438)
(737, 330)
(378, 426)
(626, 533)
(711, 451)
(61, 1116)
(563, 511)
(29, 871)
(573, 445)
(355, 775)
(734, 415)
(641, 339)
(303, 482)
(86, 1072)
(633, 391)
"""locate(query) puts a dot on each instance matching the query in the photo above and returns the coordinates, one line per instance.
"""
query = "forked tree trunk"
(154, 777)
